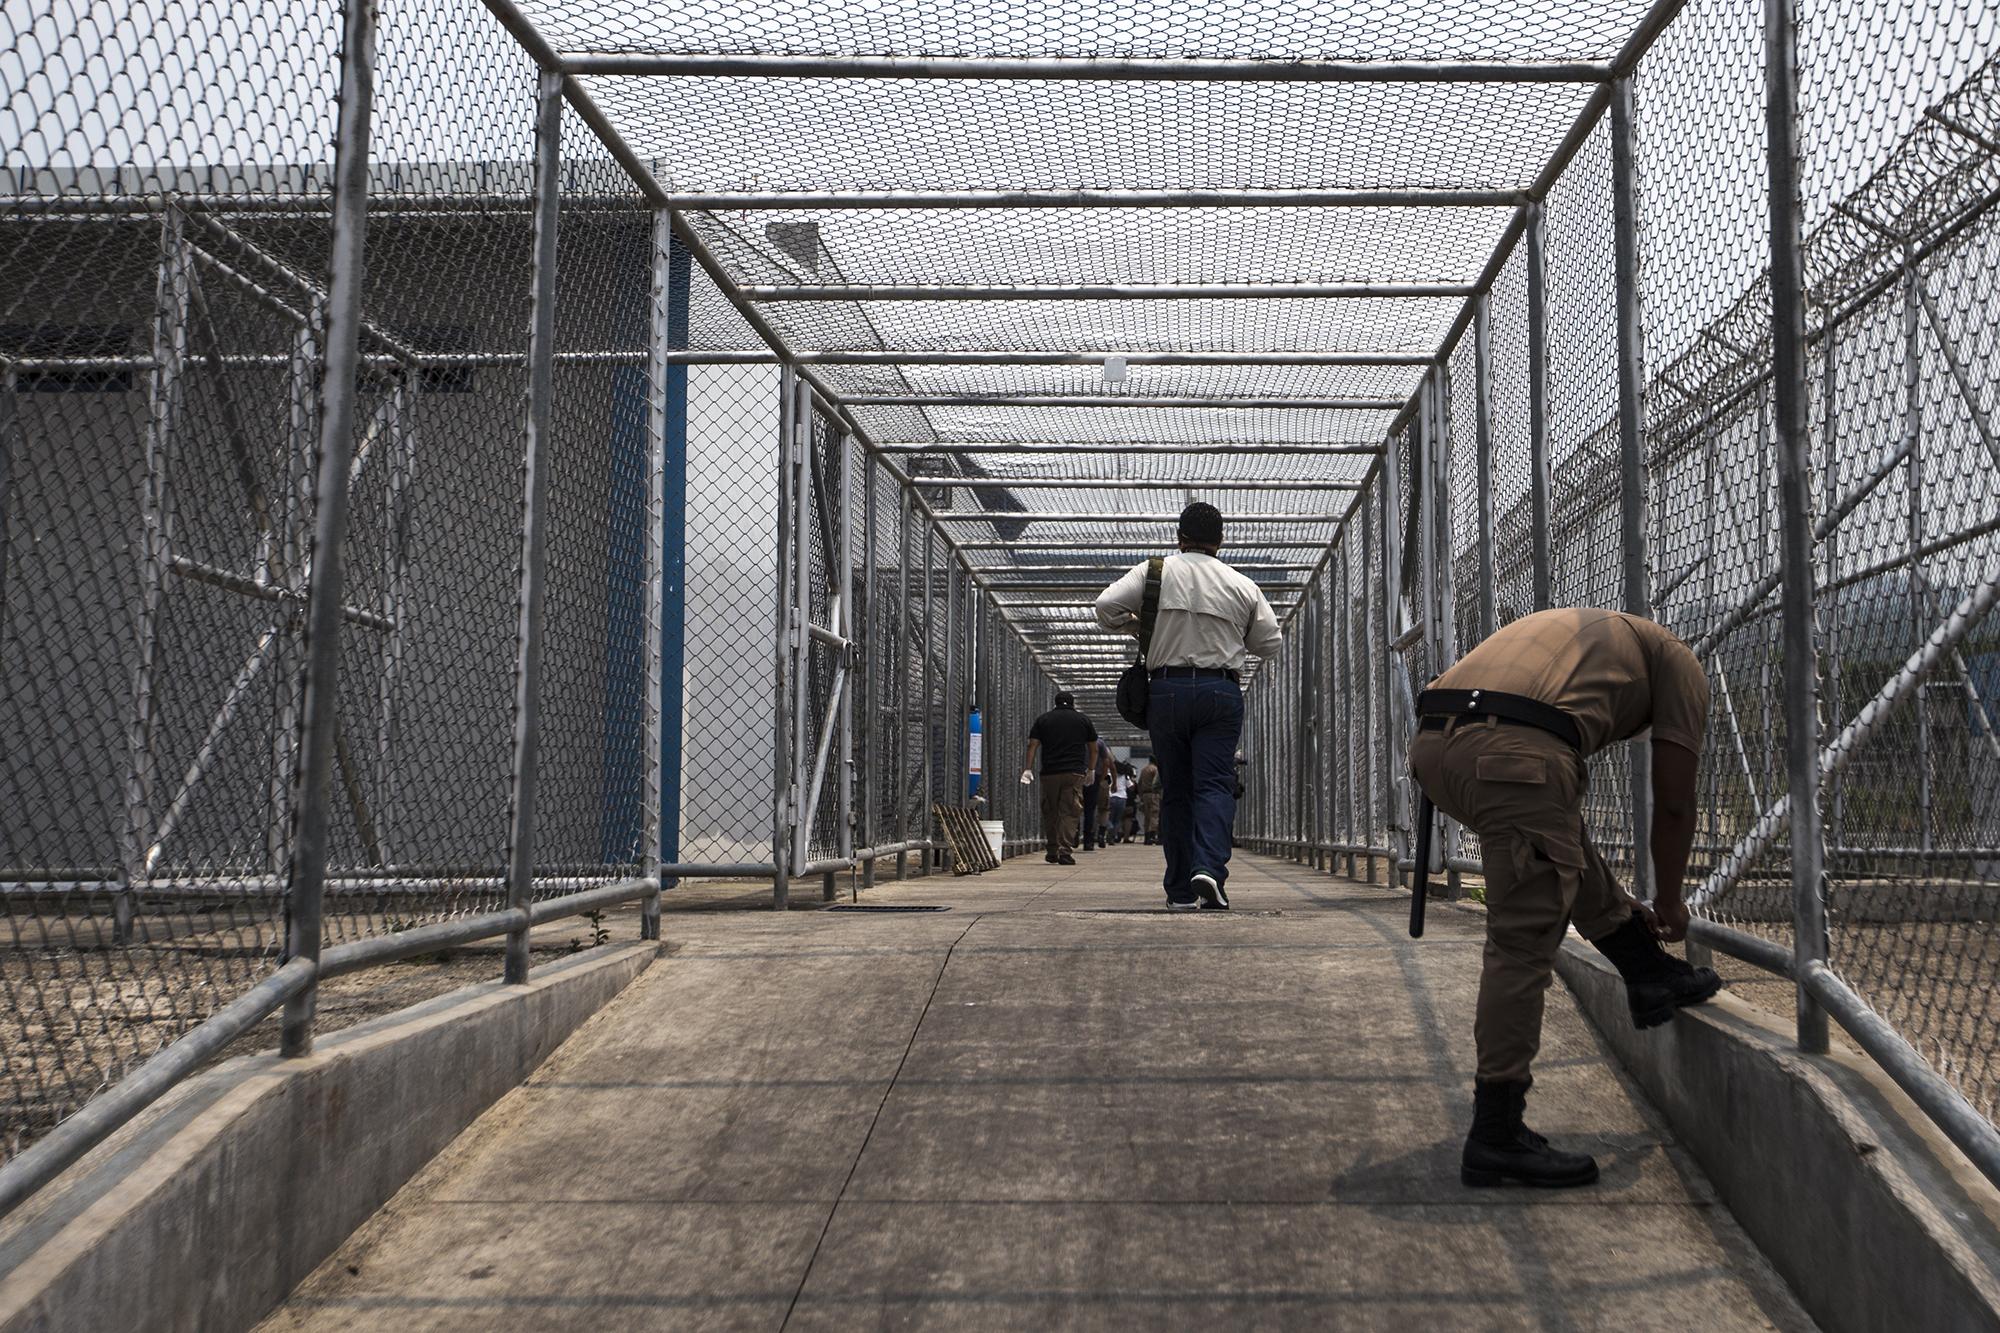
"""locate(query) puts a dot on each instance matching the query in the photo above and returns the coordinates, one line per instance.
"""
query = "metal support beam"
(1482, 346)
(732, 201)
(534, 521)
(1540, 484)
(1791, 406)
(1099, 291)
(1282, 484)
(1095, 69)
(785, 634)
(1119, 400)
(320, 706)
(1004, 516)
(1633, 476)
(1128, 448)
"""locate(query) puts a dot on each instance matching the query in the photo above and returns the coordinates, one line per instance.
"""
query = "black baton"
(1420, 874)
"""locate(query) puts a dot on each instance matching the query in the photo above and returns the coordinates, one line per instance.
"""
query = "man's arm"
(1263, 637)
(1118, 605)
(1674, 769)
(1028, 760)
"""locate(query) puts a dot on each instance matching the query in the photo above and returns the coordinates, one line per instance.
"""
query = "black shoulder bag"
(1136, 684)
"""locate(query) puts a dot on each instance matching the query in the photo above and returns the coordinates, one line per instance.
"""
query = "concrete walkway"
(1048, 1105)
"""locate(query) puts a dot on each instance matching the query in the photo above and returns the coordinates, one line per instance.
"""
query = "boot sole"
(1476, 1179)
(1660, 1013)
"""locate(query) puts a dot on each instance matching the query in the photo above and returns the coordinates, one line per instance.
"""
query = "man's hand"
(1668, 918)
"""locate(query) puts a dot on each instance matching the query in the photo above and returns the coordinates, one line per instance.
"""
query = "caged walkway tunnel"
(487, 472)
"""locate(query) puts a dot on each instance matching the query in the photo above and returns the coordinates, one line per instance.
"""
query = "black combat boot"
(1500, 1148)
(1656, 982)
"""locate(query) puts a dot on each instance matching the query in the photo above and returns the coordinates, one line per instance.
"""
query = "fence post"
(321, 698)
(869, 636)
(1789, 417)
(901, 759)
(164, 397)
(1482, 354)
(782, 657)
(1539, 483)
(840, 547)
(666, 563)
(1393, 791)
(534, 519)
(925, 716)
(1631, 442)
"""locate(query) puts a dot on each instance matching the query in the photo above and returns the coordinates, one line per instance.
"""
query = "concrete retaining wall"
(208, 1210)
(1872, 1216)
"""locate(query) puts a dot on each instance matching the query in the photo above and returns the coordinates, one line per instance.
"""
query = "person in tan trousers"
(1501, 743)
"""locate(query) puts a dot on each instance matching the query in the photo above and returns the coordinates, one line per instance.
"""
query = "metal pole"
(926, 716)
(869, 636)
(1394, 804)
(841, 546)
(1097, 68)
(1913, 514)
(1539, 484)
(1482, 347)
(804, 447)
(534, 519)
(164, 397)
(9, 421)
(900, 784)
(666, 549)
(1795, 508)
(1631, 445)
(954, 667)
(781, 667)
(321, 696)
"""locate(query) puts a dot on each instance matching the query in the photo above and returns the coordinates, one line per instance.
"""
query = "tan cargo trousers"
(1062, 810)
(1521, 790)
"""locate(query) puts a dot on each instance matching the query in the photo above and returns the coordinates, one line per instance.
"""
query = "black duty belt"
(1436, 707)
(1195, 672)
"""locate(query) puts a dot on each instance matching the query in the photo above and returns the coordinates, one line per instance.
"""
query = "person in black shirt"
(1068, 745)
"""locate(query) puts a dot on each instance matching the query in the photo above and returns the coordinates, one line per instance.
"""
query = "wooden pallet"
(970, 852)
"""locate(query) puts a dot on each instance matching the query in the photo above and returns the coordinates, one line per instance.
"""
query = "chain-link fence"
(1619, 367)
(467, 463)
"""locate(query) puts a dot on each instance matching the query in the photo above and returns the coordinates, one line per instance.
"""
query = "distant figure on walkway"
(1121, 790)
(1501, 741)
(1211, 618)
(1149, 801)
(1068, 745)
(1093, 800)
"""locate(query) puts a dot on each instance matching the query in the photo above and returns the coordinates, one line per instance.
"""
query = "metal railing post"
(900, 783)
(926, 716)
(534, 519)
(840, 546)
(1394, 791)
(1482, 349)
(803, 815)
(867, 636)
(164, 399)
(319, 710)
(666, 563)
(1540, 500)
(782, 660)
(1631, 443)
(1795, 508)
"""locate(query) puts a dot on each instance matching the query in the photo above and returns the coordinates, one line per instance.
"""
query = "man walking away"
(1149, 801)
(1211, 618)
(1500, 746)
(1067, 743)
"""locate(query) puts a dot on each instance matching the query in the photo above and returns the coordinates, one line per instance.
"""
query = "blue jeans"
(1195, 722)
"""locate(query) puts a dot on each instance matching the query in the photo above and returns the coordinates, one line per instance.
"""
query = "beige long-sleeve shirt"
(1210, 615)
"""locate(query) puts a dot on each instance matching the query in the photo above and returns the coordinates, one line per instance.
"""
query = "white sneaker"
(1210, 889)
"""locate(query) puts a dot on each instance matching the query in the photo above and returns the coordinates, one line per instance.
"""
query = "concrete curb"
(205, 1212)
(1870, 1214)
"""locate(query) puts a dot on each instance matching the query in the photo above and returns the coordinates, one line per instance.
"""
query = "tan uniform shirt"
(1210, 615)
(1616, 674)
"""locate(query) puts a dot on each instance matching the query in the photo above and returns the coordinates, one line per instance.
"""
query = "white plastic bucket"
(996, 834)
